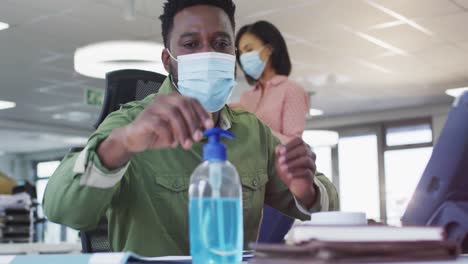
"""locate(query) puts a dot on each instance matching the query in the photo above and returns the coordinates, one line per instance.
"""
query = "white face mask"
(252, 64)
(207, 77)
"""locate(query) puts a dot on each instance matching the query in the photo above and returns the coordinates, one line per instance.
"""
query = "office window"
(358, 175)
(46, 169)
(408, 134)
(324, 161)
(51, 232)
(406, 153)
(403, 169)
(379, 166)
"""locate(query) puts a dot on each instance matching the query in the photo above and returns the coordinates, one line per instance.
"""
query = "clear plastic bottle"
(215, 206)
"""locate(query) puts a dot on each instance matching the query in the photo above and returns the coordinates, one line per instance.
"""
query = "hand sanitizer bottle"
(215, 206)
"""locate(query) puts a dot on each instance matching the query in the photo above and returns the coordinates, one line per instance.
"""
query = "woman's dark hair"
(270, 35)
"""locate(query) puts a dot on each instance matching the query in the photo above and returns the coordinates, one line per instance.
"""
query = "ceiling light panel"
(456, 92)
(4, 25)
(96, 60)
(7, 105)
(399, 17)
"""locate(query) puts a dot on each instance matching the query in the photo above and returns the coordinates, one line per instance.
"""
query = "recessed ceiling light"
(6, 105)
(57, 138)
(76, 140)
(328, 79)
(320, 138)
(73, 116)
(4, 26)
(456, 92)
(315, 112)
(96, 60)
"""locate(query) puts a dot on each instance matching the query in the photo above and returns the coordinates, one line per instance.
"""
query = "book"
(365, 233)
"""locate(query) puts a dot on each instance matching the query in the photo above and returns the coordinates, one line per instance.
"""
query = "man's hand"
(169, 121)
(295, 164)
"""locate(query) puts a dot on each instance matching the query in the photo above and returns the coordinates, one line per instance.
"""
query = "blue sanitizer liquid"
(219, 236)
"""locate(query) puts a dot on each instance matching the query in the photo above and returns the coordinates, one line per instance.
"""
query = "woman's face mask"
(252, 64)
(207, 77)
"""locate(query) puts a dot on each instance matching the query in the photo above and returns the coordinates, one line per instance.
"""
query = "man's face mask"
(207, 77)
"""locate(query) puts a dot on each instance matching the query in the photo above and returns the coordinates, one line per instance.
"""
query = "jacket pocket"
(253, 189)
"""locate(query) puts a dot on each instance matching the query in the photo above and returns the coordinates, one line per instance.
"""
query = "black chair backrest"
(126, 86)
(122, 87)
(96, 240)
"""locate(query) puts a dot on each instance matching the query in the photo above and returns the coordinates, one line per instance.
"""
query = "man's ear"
(166, 60)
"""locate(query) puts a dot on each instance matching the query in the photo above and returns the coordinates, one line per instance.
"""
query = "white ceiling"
(332, 44)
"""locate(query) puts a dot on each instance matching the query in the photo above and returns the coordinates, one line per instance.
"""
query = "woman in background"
(276, 100)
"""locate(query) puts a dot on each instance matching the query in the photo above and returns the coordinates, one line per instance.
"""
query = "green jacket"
(146, 201)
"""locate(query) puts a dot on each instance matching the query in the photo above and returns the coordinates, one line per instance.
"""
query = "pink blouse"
(283, 107)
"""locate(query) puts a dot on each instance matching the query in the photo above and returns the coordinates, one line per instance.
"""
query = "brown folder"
(316, 251)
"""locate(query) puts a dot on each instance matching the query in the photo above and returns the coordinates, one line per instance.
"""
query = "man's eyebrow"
(194, 34)
(189, 34)
(223, 34)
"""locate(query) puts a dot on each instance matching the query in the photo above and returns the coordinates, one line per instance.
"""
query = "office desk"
(125, 258)
(39, 248)
(97, 258)
(461, 259)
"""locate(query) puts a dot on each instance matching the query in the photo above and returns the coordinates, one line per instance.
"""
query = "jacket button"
(255, 183)
(176, 184)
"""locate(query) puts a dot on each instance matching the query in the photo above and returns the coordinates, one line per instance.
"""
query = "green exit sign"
(94, 97)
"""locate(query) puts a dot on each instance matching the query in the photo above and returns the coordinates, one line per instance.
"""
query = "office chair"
(96, 240)
(128, 85)
(122, 86)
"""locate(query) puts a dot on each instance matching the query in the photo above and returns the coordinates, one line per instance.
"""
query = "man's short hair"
(172, 7)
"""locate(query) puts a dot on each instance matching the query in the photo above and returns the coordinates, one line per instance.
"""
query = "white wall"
(21, 166)
(31, 158)
(438, 122)
(14, 166)
(6, 164)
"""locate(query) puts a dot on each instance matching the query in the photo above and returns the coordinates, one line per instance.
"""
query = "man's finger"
(162, 131)
(293, 143)
(310, 152)
(173, 115)
(190, 117)
(293, 154)
(304, 162)
(202, 114)
(312, 155)
(301, 174)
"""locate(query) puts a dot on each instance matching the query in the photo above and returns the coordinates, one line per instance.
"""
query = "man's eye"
(222, 44)
(190, 45)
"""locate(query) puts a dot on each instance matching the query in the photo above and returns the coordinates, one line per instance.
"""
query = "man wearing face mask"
(136, 167)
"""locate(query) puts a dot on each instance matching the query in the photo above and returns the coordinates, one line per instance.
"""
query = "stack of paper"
(366, 233)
